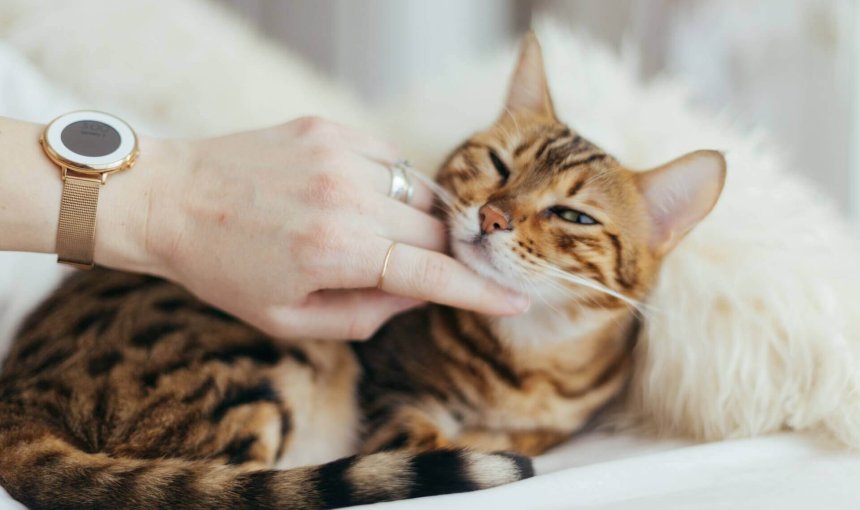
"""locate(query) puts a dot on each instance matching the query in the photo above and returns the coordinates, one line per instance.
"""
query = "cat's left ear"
(528, 89)
(680, 194)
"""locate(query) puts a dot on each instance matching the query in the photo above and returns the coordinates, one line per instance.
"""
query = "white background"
(788, 66)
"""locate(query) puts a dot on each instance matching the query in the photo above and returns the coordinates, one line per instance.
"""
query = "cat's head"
(535, 206)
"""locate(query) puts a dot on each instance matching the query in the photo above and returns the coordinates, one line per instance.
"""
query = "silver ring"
(401, 186)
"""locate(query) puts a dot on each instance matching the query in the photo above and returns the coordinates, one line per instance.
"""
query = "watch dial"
(90, 138)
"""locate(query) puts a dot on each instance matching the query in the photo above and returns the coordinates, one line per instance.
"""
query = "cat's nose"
(492, 219)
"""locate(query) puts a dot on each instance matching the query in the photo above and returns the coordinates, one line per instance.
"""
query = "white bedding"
(596, 471)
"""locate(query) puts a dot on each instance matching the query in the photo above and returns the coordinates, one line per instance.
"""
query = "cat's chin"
(478, 259)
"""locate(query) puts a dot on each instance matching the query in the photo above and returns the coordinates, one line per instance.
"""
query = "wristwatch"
(88, 146)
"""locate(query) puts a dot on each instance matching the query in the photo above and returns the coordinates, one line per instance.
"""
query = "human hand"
(287, 228)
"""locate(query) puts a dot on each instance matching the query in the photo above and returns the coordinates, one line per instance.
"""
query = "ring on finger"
(401, 186)
(381, 279)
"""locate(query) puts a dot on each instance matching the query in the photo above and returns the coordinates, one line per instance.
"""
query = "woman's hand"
(288, 227)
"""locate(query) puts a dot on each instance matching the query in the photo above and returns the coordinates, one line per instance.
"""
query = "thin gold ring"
(385, 265)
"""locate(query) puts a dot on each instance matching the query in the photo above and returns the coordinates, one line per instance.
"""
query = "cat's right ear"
(679, 194)
(528, 89)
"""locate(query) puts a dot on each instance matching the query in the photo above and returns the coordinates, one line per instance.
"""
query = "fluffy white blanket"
(755, 324)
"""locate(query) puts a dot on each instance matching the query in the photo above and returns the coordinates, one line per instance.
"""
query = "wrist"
(136, 219)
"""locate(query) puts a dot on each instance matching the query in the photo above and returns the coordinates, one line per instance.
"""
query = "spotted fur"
(125, 391)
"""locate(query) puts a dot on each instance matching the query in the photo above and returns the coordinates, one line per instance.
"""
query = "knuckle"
(325, 157)
(317, 246)
(326, 236)
(326, 190)
(313, 126)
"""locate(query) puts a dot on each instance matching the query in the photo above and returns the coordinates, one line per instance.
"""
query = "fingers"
(404, 224)
(431, 276)
(426, 276)
(373, 155)
(371, 148)
(367, 145)
(378, 176)
(338, 315)
(317, 129)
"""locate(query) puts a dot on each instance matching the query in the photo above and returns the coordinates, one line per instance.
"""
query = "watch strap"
(77, 227)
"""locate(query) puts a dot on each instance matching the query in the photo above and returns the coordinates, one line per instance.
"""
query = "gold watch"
(88, 146)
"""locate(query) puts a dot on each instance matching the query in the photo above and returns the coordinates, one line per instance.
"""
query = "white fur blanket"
(755, 324)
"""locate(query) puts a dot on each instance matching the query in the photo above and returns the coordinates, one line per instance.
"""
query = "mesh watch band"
(77, 228)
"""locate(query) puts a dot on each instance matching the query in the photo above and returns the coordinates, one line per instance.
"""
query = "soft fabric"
(753, 327)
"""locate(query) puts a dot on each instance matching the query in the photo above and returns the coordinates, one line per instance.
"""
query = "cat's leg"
(421, 429)
(243, 409)
(526, 442)
(232, 415)
(410, 428)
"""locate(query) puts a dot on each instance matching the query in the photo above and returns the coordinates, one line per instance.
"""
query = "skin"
(286, 227)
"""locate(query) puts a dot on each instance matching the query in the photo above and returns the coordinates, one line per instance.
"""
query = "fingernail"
(519, 301)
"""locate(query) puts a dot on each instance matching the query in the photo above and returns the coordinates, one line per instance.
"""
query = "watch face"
(90, 138)
(90, 142)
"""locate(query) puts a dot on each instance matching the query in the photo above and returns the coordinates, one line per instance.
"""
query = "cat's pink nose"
(492, 219)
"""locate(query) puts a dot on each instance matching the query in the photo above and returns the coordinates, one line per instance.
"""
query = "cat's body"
(124, 390)
(139, 369)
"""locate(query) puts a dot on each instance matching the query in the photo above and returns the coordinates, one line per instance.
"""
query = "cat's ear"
(528, 89)
(681, 193)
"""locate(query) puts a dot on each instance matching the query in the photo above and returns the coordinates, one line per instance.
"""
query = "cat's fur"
(123, 390)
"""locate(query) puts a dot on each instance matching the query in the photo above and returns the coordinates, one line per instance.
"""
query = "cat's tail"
(44, 470)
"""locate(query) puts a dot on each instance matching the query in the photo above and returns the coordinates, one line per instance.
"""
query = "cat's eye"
(573, 216)
(501, 168)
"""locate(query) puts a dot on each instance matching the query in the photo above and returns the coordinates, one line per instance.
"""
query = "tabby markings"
(102, 318)
(151, 335)
(103, 363)
(585, 161)
(240, 396)
(238, 451)
(439, 472)
(620, 276)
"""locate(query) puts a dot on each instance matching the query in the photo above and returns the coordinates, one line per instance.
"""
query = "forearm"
(31, 187)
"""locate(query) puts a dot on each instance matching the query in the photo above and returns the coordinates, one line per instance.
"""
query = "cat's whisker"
(540, 296)
(514, 119)
(508, 134)
(444, 196)
(592, 302)
(567, 292)
(557, 287)
(535, 272)
(586, 282)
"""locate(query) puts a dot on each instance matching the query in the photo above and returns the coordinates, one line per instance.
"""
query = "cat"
(123, 390)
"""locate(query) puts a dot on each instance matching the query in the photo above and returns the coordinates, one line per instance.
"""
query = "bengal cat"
(124, 391)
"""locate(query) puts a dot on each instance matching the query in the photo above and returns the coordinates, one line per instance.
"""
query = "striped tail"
(44, 471)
